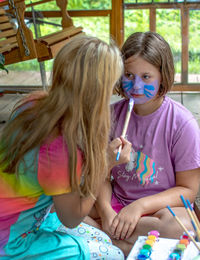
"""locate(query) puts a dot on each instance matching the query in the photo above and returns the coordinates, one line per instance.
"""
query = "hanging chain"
(27, 51)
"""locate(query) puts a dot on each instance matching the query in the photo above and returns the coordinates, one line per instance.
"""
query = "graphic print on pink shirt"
(144, 167)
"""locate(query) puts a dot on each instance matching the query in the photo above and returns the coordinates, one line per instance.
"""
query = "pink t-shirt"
(164, 142)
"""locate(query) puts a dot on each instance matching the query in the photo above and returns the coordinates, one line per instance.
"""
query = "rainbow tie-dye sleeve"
(53, 168)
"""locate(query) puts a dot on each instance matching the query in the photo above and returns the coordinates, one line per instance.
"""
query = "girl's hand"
(124, 223)
(113, 149)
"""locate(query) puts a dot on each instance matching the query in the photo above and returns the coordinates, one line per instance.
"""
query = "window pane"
(194, 50)
(44, 6)
(137, 1)
(74, 5)
(95, 26)
(45, 26)
(136, 21)
(168, 25)
(129, 1)
(158, 1)
(89, 4)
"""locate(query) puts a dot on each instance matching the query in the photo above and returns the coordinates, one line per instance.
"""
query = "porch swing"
(18, 45)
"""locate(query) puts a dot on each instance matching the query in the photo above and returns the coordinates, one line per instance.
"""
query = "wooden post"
(66, 19)
(185, 43)
(117, 22)
(25, 37)
(152, 19)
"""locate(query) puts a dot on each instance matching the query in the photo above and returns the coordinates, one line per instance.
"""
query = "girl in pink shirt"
(161, 159)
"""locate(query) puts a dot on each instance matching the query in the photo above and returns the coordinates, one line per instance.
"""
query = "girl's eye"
(129, 76)
(146, 77)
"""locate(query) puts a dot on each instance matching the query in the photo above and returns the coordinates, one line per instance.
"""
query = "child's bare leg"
(161, 221)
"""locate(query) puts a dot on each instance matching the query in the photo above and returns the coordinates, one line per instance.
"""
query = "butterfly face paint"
(140, 91)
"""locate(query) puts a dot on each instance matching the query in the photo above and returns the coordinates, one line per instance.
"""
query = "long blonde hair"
(77, 106)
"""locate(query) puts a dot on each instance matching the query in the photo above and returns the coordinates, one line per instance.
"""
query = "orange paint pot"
(184, 241)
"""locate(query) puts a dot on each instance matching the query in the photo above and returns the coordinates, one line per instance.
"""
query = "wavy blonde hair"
(77, 106)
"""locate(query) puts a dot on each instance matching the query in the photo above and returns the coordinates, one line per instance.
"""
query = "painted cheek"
(127, 86)
(149, 91)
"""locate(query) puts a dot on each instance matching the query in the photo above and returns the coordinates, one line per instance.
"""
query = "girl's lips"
(137, 95)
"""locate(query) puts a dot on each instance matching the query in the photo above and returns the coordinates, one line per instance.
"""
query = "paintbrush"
(184, 228)
(126, 122)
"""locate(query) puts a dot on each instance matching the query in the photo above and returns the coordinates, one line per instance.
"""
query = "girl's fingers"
(125, 230)
(130, 231)
(124, 140)
(115, 144)
(119, 229)
(127, 148)
(114, 225)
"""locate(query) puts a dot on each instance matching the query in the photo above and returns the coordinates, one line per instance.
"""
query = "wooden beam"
(117, 22)
(152, 19)
(74, 13)
(186, 87)
(162, 5)
(185, 43)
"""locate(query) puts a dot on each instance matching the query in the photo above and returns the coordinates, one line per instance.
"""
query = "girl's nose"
(136, 86)
(137, 83)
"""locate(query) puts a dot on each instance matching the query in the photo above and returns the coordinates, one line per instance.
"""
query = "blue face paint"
(140, 91)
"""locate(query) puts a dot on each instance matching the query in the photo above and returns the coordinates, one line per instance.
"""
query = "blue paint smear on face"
(127, 85)
(148, 88)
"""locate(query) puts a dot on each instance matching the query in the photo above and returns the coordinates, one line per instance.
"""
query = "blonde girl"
(53, 150)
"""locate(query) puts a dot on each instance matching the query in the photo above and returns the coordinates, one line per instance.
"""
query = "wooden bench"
(8, 32)
(19, 45)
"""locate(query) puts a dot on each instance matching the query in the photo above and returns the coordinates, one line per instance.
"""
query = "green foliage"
(136, 21)
(74, 5)
(88, 5)
(2, 62)
(95, 26)
(168, 24)
(30, 65)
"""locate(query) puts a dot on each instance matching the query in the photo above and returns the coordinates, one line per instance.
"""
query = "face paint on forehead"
(140, 91)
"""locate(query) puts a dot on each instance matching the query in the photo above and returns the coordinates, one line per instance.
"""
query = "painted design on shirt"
(144, 167)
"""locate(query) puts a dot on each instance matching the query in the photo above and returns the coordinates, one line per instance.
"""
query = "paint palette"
(162, 249)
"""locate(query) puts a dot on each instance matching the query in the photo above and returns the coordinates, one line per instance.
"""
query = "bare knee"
(168, 226)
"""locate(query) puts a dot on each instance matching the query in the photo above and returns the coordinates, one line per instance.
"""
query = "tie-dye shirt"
(164, 142)
(26, 198)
